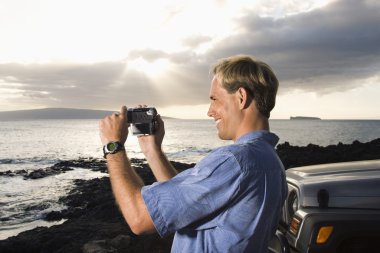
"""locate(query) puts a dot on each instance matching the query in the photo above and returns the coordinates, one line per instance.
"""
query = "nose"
(210, 111)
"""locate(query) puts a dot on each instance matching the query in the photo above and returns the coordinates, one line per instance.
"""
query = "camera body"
(143, 120)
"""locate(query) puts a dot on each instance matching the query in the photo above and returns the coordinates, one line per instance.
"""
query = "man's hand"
(152, 143)
(114, 127)
(151, 147)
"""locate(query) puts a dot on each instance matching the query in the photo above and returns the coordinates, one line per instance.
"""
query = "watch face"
(111, 146)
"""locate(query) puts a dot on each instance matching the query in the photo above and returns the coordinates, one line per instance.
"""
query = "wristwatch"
(112, 147)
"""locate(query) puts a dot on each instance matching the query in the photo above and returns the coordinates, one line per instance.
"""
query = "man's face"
(224, 108)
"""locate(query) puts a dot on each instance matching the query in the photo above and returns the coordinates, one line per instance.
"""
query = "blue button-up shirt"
(229, 202)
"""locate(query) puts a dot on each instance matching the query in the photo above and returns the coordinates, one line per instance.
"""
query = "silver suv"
(331, 208)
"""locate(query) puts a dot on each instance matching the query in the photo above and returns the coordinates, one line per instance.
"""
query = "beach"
(93, 223)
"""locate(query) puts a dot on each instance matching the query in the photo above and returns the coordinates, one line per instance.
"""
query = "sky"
(101, 54)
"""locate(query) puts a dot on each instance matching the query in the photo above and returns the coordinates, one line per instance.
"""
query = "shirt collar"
(269, 137)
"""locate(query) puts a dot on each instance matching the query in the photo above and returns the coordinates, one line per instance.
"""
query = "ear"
(243, 97)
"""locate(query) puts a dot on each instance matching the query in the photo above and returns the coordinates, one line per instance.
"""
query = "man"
(231, 200)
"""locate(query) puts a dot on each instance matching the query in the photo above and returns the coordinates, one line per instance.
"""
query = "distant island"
(303, 118)
(54, 113)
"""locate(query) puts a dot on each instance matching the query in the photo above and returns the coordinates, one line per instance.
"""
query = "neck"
(262, 123)
(252, 122)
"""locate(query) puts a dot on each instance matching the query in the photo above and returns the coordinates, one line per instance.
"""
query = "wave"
(39, 160)
(188, 154)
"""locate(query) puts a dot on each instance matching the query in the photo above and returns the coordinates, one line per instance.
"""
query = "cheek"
(230, 107)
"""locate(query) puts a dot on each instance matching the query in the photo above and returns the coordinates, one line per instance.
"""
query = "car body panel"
(345, 196)
(349, 184)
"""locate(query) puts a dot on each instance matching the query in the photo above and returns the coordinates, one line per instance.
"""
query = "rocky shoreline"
(94, 223)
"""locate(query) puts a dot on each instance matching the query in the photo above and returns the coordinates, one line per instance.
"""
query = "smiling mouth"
(217, 121)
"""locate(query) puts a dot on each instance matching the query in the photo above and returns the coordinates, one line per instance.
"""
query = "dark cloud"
(103, 85)
(324, 50)
(99, 85)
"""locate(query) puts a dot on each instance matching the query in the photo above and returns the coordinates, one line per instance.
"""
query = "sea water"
(31, 145)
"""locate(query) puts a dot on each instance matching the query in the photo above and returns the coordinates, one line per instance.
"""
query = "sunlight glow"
(151, 69)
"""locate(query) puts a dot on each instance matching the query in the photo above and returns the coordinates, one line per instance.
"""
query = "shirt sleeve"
(193, 194)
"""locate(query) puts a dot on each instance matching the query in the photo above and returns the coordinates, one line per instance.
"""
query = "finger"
(123, 111)
(159, 120)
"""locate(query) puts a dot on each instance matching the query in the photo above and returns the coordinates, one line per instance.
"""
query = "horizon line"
(104, 110)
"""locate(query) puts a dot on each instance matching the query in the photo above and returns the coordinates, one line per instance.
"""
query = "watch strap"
(112, 147)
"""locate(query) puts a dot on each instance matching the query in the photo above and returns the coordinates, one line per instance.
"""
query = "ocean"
(32, 145)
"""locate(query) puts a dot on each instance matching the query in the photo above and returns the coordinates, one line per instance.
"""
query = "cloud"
(68, 85)
(103, 85)
(195, 41)
(321, 50)
(324, 50)
(148, 54)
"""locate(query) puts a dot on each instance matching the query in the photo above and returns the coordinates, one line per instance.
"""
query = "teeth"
(217, 121)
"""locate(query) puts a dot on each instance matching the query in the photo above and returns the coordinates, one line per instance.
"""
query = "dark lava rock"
(294, 156)
(94, 223)
(88, 163)
(9, 173)
(60, 167)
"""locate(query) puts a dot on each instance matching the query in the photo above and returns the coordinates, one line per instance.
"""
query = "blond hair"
(255, 76)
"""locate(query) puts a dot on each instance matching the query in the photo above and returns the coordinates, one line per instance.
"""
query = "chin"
(223, 137)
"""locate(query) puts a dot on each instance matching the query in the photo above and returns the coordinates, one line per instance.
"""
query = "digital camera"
(143, 120)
